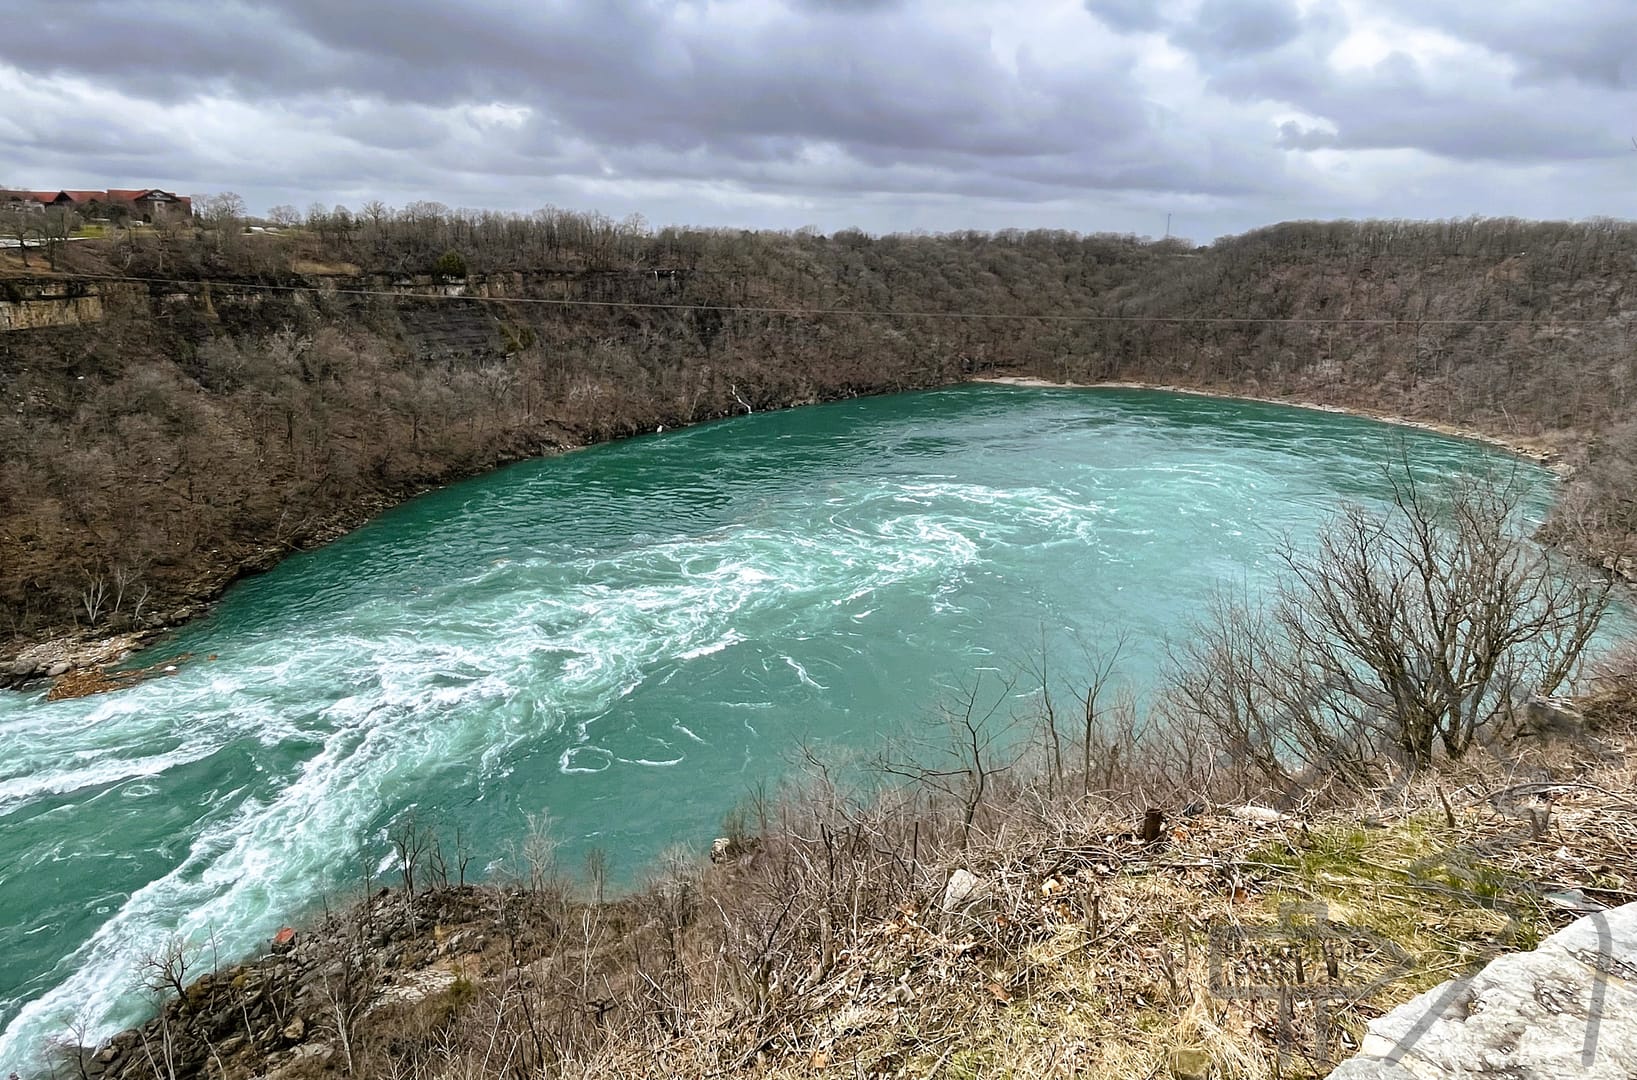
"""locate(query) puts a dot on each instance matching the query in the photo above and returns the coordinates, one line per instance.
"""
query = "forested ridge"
(240, 395)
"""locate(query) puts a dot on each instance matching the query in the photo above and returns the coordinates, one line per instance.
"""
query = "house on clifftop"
(27, 200)
(150, 205)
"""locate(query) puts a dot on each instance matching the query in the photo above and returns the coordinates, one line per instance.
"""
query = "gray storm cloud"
(1088, 114)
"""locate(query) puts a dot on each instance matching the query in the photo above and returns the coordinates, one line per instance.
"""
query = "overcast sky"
(884, 114)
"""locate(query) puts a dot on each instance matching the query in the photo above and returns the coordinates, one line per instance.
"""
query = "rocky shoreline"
(94, 652)
(275, 1014)
(56, 655)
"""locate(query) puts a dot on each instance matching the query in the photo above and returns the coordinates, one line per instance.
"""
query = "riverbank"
(1105, 936)
(84, 657)
(1609, 552)
(218, 416)
(1540, 450)
(54, 655)
(57, 653)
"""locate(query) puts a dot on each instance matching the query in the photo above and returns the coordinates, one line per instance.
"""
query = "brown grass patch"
(313, 268)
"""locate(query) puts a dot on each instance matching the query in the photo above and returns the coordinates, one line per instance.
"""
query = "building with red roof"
(139, 204)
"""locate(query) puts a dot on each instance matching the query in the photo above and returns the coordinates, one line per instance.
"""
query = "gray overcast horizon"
(888, 115)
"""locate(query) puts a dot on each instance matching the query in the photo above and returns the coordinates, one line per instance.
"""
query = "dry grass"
(1230, 949)
(314, 268)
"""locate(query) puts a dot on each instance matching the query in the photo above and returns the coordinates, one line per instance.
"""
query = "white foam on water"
(801, 673)
(523, 645)
(568, 763)
(727, 640)
(22, 790)
(251, 869)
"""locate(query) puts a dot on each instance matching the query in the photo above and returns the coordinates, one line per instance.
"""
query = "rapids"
(630, 637)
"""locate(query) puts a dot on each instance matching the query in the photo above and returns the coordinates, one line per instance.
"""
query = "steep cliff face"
(36, 305)
(440, 330)
(163, 438)
(435, 319)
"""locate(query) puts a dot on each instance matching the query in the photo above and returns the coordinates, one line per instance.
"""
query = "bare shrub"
(974, 749)
(1403, 636)
(540, 844)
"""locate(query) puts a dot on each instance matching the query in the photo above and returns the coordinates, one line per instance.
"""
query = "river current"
(629, 638)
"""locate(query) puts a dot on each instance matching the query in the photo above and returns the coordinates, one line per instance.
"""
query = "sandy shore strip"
(1537, 450)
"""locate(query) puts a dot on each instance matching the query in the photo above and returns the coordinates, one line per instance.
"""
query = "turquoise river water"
(628, 637)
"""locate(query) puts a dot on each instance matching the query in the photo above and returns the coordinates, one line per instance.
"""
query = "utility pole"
(1168, 226)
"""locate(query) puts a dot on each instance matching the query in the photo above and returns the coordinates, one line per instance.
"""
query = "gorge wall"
(182, 409)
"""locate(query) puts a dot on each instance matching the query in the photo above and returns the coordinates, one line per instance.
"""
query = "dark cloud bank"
(1086, 114)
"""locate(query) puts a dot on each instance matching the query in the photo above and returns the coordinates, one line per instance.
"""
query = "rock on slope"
(1566, 1009)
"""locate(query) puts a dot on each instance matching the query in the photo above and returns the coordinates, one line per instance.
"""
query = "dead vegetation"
(1405, 636)
(1044, 930)
(84, 682)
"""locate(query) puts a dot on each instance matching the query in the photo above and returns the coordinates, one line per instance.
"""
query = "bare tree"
(976, 751)
(55, 225)
(1101, 660)
(346, 987)
(166, 971)
(94, 597)
(75, 1049)
(375, 212)
(1095, 701)
(539, 851)
(224, 214)
(25, 227)
(284, 216)
(225, 210)
(1404, 634)
(412, 841)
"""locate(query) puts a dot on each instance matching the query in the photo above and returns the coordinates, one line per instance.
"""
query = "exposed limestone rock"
(53, 659)
(1553, 717)
(725, 849)
(418, 986)
(964, 888)
(36, 305)
(1568, 1008)
(1260, 815)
